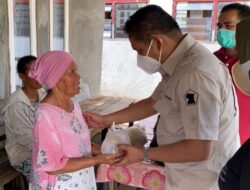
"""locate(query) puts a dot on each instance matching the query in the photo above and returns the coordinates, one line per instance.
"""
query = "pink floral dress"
(58, 136)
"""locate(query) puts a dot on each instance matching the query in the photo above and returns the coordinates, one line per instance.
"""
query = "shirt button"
(227, 64)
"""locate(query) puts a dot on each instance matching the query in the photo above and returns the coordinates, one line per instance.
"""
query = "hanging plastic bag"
(114, 137)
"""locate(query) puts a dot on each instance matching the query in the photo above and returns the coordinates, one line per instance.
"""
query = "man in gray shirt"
(19, 117)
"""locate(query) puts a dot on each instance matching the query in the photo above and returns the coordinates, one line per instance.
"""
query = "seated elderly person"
(19, 118)
(63, 156)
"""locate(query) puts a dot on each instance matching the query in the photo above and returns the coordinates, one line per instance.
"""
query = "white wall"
(165, 4)
(120, 74)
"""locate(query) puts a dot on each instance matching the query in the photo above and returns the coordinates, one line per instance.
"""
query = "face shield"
(241, 70)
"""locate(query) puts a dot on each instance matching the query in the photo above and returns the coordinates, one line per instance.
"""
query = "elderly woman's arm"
(134, 112)
(75, 164)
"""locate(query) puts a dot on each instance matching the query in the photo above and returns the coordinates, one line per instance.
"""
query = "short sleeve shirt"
(57, 137)
(196, 100)
(19, 115)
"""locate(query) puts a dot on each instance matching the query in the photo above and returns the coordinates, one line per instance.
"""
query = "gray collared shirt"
(19, 118)
(196, 100)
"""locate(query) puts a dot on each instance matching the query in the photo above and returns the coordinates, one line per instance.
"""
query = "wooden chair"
(10, 179)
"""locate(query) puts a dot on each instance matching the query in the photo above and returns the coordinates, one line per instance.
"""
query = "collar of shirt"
(24, 98)
(172, 61)
(224, 56)
(20, 96)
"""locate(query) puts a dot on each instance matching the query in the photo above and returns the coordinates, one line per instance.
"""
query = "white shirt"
(196, 100)
(19, 118)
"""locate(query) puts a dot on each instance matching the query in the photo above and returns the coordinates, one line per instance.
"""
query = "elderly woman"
(62, 151)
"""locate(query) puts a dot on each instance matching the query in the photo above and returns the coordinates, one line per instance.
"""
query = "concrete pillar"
(4, 51)
(86, 21)
(43, 26)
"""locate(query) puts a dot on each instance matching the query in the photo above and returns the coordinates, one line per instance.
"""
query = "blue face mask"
(226, 38)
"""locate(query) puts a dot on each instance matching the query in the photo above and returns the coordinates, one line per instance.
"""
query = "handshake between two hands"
(117, 145)
(126, 154)
(120, 146)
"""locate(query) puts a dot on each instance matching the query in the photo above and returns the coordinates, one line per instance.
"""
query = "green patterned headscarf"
(243, 40)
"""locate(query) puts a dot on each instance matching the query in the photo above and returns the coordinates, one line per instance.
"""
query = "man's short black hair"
(149, 20)
(243, 10)
(23, 62)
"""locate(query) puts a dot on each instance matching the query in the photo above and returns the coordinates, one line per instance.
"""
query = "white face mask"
(148, 64)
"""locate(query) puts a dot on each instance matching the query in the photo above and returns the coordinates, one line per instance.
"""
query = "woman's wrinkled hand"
(95, 120)
(107, 158)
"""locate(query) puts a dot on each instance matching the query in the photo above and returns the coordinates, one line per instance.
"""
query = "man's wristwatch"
(145, 154)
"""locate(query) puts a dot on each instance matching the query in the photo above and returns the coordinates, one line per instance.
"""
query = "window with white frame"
(122, 12)
(196, 19)
(58, 25)
(107, 33)
(21, 32)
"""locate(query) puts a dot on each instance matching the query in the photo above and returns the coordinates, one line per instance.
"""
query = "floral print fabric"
(58, 136)
(141, 174)
(24, 167)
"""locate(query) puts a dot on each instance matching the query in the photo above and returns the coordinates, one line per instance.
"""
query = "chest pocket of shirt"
(163, 106)
(170, 121)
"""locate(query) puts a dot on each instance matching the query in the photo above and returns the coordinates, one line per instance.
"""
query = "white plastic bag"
(114, 137)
